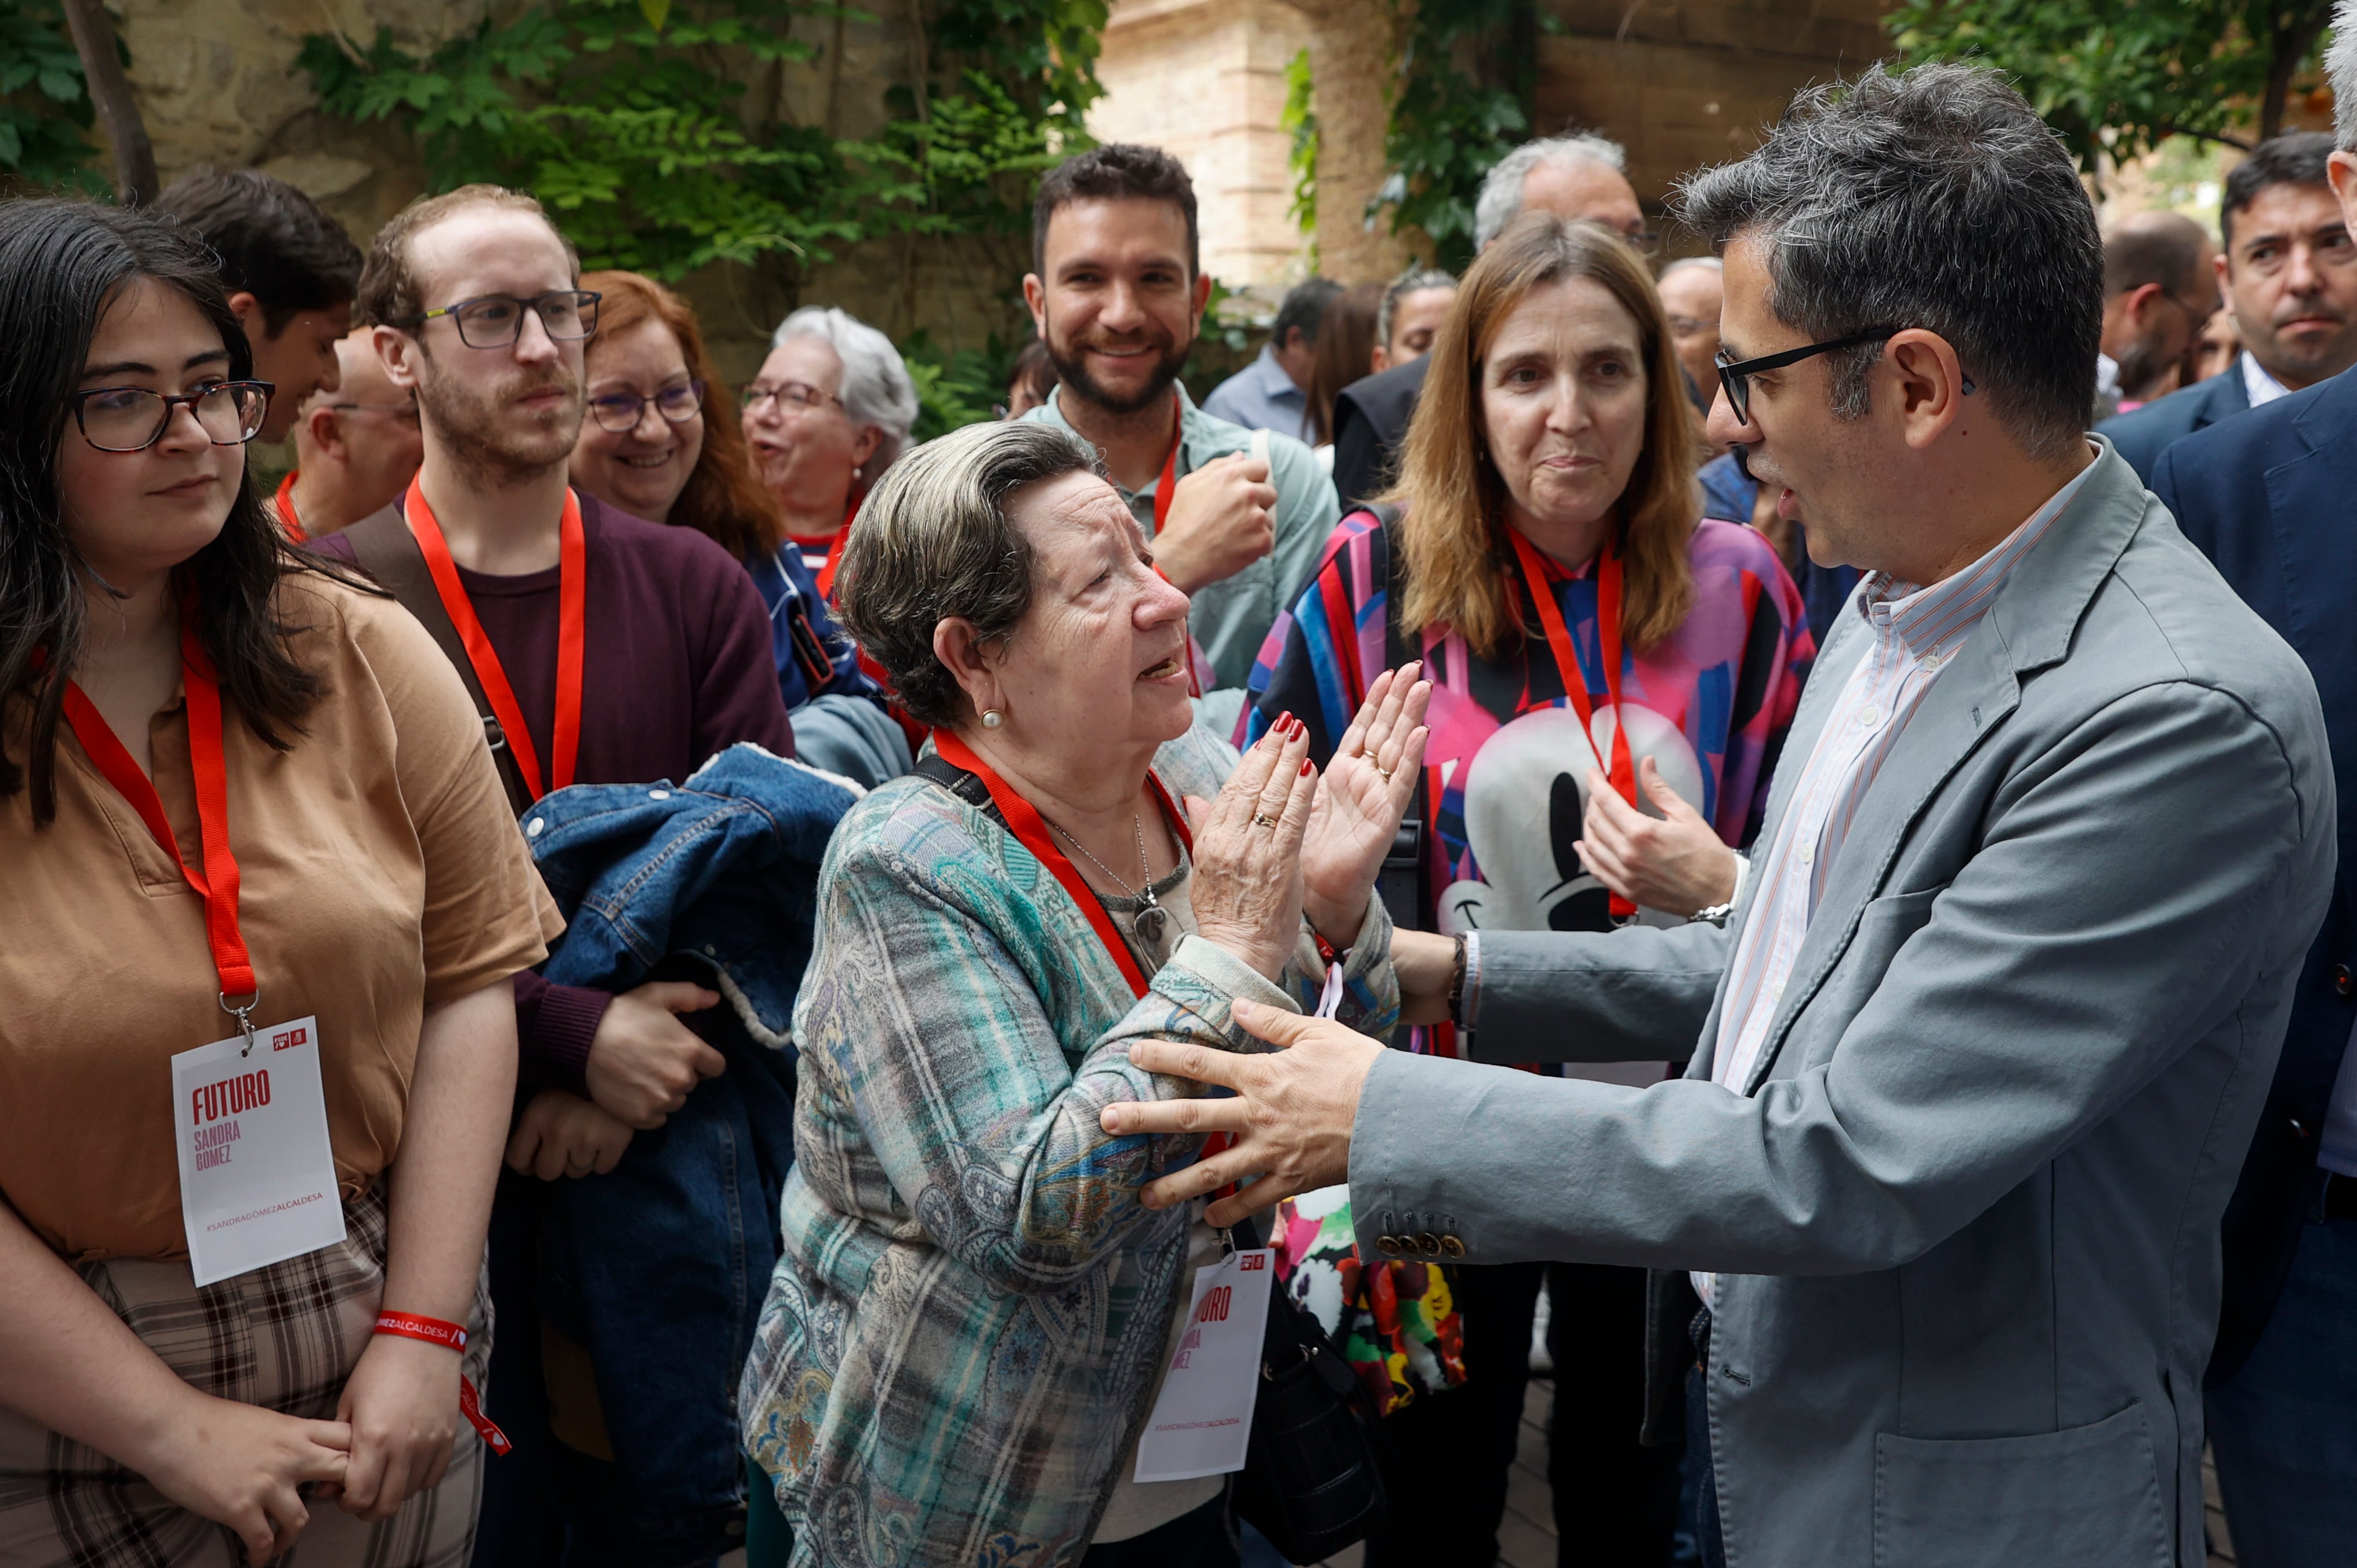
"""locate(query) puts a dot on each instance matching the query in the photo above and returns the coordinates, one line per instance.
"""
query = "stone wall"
(218, 85)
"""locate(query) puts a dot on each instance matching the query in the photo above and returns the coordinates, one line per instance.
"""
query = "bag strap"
(1405, 882)
(388, 551)
(935, 769)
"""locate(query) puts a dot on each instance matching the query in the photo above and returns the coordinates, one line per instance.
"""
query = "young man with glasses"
(357, 448)
(2289, 270)
(602, 648)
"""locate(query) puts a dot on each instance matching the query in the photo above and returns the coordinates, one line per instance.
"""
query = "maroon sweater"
(677, 666)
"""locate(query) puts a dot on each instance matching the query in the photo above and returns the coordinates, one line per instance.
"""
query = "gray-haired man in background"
(1935, 1212)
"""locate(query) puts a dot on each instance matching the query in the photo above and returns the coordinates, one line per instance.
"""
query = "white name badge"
(257, 1177)
(1203, 1419)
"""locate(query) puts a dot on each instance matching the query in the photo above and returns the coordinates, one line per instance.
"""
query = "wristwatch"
(1716, 915)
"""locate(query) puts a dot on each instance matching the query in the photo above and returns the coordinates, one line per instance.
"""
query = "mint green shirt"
(1231, 620)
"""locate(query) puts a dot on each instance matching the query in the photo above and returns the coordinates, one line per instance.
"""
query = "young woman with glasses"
(263, 901)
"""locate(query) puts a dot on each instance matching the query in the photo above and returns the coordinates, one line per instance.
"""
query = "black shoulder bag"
(1313, 1476)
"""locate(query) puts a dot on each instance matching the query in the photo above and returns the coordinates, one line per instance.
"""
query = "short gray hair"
(1501, 201)
(1935, 199)
(1413, 281)
(876, 386)
(2340, 69)
(1709, 264)
(934, 540)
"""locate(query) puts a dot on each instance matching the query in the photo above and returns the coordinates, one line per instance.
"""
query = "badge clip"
(243, 1013)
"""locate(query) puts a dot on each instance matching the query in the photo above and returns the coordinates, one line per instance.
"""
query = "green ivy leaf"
(656, 12)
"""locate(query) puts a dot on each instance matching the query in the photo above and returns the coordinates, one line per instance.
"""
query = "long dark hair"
(62, 265)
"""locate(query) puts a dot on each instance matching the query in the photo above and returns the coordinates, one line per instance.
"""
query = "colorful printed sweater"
(960, 1338)
(1506, 769)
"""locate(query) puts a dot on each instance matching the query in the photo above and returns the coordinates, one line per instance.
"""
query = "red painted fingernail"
(1307, 768)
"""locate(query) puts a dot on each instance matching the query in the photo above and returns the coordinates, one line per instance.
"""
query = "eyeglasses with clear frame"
(619, 412)
(132, 419)
(401, 413)
(797, 397)
(496, 320)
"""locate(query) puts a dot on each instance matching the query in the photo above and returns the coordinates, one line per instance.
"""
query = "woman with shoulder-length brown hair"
(1612, 677)
(663, 441)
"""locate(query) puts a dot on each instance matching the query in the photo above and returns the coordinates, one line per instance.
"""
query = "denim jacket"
(659, 1266)
(723, 867)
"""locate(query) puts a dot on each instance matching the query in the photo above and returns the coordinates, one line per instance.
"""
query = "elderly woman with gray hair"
(972, 1314)
(831, 409)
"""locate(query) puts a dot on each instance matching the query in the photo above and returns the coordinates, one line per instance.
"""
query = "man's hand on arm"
(1291, 1115)
(644, 1063)
(1221, 522)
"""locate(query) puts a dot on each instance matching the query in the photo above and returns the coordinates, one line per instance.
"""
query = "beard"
(1071, 364)
(491, 440)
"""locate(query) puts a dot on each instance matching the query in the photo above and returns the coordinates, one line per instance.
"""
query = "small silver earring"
(992, 718)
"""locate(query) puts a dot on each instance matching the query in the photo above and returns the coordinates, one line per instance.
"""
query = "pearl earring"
(992, 718)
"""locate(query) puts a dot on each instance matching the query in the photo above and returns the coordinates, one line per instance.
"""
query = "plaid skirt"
(285, 1338)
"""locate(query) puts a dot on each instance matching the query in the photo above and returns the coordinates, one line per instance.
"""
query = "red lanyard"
(1024, 820)
(1167, 484)
(1164, 488)
(834, 551)
(217, 883)
(293, 524)
(1622, 769)
(572, 595)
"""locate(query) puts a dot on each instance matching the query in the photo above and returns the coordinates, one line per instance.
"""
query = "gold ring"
(1383, 772)
(1261, 822)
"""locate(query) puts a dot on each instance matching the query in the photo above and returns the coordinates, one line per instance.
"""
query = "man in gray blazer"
(1976, 1061)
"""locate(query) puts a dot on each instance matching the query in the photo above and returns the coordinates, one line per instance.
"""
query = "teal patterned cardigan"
(958, 1341)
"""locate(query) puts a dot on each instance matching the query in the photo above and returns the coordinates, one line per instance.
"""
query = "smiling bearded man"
(1116, 293)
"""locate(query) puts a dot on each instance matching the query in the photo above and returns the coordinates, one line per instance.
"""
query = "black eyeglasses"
(132, 419)
(496, 320)
(1736, 377)
(619, 412)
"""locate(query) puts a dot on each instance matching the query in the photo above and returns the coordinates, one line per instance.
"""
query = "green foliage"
(629, 118)
(45, 113)
(2119, 76)
(1448, 125)
(1300, 118)
(956, 389)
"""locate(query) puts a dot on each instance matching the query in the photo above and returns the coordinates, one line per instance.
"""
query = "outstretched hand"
(1362, 800)
(1291, 1115)
(1246, 885)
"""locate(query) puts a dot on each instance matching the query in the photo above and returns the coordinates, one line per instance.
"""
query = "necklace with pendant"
(1152, 920)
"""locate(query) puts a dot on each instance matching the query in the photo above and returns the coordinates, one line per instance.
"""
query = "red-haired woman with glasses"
(662, 442)
(264, 902)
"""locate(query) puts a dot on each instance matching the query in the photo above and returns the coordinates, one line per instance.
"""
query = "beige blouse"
(381, 874)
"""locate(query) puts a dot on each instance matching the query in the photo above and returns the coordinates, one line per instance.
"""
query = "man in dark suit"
(2289, 271)
(2267, 497)
(1572, 177)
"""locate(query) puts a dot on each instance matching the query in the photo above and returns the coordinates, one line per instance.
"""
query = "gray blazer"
(1965, 1215)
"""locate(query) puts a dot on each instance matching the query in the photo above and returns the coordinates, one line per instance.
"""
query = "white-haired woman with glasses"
(831, 409)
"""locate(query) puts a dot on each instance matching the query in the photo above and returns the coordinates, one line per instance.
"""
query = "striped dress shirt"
(1917, 633)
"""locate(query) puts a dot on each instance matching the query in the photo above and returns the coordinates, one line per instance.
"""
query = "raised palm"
(1361, 797)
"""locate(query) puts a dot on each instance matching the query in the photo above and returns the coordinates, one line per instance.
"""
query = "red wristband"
(409, 1326)
(433, 1331)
